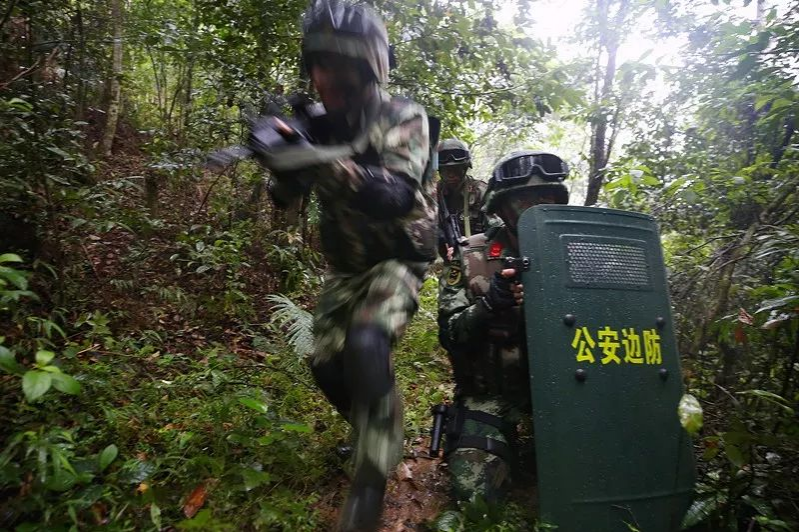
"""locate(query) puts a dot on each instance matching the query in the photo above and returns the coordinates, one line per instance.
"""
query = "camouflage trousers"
(385, 297)
(477, 471)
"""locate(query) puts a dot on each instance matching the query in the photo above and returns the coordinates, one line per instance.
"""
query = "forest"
(155, 316)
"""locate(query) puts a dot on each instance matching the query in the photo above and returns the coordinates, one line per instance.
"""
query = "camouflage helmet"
(523, 170)
(453, 152)
(354, 31)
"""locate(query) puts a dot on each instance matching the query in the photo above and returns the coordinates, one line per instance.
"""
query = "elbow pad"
(384, 195)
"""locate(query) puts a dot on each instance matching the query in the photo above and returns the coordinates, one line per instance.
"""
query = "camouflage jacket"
(475, 192)
(353, 241)
(487, 349)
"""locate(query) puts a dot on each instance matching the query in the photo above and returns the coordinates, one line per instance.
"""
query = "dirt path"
(415, 495)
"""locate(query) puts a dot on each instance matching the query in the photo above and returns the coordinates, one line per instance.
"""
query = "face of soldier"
(517, 203)
(453, 176)
(339, 81)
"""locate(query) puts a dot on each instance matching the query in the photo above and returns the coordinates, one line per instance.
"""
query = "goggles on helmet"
(453, 156)
(550, 167)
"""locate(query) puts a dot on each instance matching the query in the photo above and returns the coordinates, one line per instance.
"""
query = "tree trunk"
(115, 96)
(151, 191)
(80, 98)
(600, 148)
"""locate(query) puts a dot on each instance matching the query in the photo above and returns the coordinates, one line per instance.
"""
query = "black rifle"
(271, 134)
(449, 224)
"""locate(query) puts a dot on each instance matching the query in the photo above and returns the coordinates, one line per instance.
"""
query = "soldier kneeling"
(481, 321)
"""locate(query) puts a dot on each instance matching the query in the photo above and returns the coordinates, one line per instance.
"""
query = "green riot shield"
(604, 372)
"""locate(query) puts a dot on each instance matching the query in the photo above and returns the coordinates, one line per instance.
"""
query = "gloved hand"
(500, 293)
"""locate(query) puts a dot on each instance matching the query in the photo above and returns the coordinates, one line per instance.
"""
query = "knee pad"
(329, 376)
(368, 362)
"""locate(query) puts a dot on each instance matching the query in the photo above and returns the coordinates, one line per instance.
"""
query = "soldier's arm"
(462, 318)
(384, 186)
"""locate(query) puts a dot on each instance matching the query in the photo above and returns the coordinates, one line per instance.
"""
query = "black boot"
(364, 505)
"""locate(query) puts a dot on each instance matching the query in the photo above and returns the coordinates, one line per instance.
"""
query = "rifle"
(449, 224)
(284, 144)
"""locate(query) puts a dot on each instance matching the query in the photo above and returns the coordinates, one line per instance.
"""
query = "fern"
(296, 321)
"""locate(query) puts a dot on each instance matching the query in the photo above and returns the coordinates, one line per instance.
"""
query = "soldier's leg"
(378, 321)
(331, 320)
(479, 449)
(328, 372)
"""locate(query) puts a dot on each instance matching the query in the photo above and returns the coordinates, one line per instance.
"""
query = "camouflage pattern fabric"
(385, 295)
(376, 265)
(475, 189)
(489, 359)
(475, 471)
(352, 241)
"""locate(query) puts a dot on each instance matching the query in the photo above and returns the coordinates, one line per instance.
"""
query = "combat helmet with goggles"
(453, 152)
(524, 170)
(354, 31)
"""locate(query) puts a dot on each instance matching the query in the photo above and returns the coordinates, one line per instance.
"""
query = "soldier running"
(378, 232)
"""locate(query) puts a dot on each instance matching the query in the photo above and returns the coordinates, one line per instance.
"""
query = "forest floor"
(416, 494)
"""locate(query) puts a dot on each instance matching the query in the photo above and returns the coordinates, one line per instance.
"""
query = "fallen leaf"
(195, 501)
(100, 513)
(404, 472)
(745, 317)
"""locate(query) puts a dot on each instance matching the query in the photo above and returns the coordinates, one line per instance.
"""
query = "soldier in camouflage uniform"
(482, 328)
(378, 233)
(458, 194)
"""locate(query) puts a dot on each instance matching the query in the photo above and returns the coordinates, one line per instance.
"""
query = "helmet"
(453, 152)
(354, 31)
(526, 169)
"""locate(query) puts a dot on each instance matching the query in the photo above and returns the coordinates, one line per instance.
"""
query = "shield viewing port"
(606, 262)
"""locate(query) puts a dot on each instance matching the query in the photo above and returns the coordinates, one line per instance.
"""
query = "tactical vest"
(468, 201)
(498, 363)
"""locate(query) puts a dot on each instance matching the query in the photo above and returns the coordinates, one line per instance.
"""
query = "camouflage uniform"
(489, 359)
(482, 328)
(368, 159)
(475, 191)
(376, 266)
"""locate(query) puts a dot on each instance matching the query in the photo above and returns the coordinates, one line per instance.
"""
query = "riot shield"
(604, 372)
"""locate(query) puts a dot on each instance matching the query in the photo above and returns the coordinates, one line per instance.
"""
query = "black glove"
(499, 296)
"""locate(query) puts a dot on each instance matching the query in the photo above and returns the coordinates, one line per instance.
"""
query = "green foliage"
(219, 257)
(421, 364)
(296, 321)
(690, 413)
(479, 516)
(43, 375)
(294, 261)
(13, 282)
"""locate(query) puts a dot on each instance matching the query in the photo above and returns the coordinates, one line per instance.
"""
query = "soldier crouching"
(482, 328)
